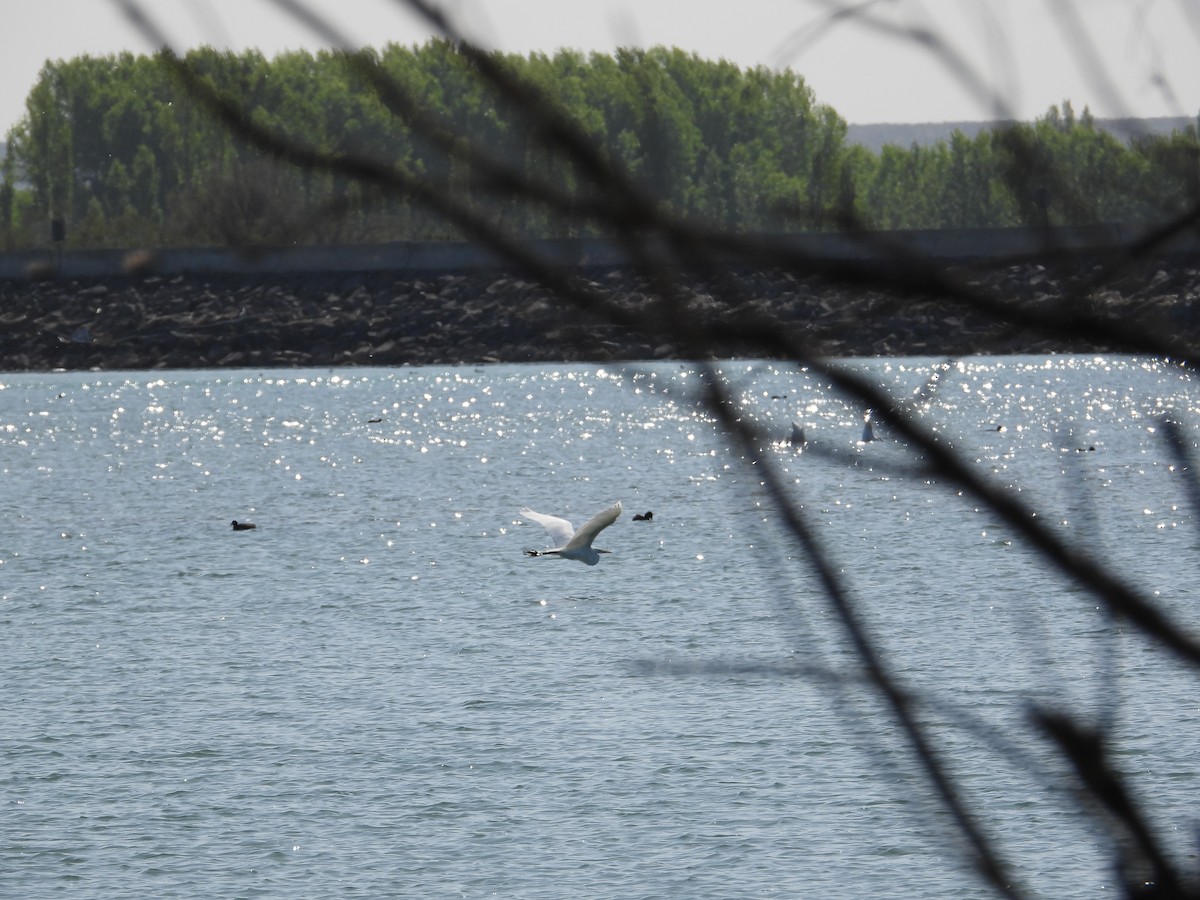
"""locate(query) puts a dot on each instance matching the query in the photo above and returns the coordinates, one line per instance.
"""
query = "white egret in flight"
(569, 543)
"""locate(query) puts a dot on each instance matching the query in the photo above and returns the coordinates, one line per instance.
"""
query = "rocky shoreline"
(135, 322)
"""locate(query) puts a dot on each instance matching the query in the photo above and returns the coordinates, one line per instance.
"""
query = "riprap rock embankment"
(393, 319)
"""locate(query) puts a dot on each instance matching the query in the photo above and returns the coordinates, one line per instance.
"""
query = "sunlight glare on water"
(376, 693)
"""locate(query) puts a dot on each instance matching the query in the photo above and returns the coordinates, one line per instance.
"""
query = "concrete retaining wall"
(429, 256)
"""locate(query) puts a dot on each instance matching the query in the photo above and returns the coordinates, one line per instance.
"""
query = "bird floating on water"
(572, 544)
(243, 526)
(868, 431)
(647, 516)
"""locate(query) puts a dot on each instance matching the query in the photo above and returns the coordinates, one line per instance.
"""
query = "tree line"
(118, 150)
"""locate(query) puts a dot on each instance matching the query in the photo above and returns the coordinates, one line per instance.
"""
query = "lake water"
(376, 694)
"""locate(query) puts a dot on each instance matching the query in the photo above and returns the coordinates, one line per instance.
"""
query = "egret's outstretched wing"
(560, 530)
(593, 526)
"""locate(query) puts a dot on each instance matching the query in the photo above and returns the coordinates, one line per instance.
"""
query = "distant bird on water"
(572, 544)
(243, 526)
(868, 434)
(644, 517)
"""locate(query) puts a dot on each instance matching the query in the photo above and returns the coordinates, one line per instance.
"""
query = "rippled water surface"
(375, 693)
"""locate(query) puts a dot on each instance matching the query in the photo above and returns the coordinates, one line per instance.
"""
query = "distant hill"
(874, 137)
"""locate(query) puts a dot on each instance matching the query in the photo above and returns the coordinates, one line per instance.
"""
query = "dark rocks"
(392, 319)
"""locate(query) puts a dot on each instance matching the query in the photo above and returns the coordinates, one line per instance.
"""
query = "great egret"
(644, 517)
(572, 544)
(797, 439)
(243, 526)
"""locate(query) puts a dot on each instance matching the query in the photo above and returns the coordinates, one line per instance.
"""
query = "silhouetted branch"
(985, 859)
(1143, 864)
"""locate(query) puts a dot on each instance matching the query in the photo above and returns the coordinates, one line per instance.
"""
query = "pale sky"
(1139, 57)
